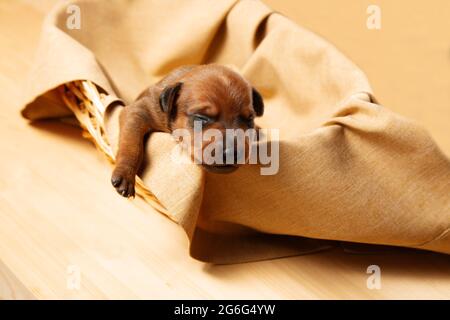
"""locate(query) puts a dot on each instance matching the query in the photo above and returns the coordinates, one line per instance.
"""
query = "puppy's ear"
(258, 104)
(168, 97)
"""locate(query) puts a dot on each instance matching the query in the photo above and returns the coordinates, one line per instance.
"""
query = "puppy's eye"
(204, 120)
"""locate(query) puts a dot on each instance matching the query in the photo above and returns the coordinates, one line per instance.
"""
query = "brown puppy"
(213, 95)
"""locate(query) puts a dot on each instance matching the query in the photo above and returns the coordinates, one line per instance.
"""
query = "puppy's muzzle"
(233, 155)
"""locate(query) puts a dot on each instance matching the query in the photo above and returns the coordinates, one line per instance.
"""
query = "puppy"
(212, 95)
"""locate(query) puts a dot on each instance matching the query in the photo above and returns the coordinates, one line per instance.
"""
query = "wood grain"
(58, 213)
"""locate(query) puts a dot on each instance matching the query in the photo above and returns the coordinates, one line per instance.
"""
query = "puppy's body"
(214, 95)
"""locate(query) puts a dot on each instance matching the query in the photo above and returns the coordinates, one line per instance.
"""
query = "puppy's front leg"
(134, 124)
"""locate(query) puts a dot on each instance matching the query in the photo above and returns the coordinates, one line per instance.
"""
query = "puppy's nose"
(229, 156)
(232, 155)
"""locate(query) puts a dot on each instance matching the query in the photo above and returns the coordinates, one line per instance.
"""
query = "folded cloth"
(350, 169)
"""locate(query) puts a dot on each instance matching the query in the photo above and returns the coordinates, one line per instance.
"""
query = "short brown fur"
(212, 91)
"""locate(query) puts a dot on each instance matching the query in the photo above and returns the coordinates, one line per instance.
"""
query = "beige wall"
(407, 61)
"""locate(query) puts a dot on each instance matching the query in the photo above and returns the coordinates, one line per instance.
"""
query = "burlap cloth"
(350, 169)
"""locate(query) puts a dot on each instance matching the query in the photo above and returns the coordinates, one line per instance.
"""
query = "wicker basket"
(85, 101)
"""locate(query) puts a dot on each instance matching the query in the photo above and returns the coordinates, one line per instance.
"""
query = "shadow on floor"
(355, 258)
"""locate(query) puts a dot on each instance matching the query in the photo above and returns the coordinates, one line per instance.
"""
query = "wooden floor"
(61, 221)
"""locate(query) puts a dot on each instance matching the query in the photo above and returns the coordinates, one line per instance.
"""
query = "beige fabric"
(350, 169)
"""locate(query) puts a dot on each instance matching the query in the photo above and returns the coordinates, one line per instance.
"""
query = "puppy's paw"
(123, 179)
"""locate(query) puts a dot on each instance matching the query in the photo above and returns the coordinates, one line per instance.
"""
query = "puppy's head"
(218, 105)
